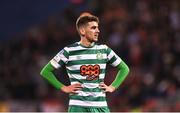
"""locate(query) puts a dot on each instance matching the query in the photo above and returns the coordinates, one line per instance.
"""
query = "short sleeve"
(112, 58)
(60, 59)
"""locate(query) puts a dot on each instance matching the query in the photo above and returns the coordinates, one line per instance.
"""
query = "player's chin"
(95, 39)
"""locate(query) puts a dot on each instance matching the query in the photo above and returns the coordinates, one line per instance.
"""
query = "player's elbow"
(124, 66)
(43, 72)
(127, 69)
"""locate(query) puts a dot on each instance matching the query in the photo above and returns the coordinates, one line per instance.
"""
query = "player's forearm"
(47, 73)
(121, 75)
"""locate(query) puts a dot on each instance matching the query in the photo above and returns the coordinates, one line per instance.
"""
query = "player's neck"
(86, 43)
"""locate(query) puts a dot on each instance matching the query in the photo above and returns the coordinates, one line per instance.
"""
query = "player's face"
(91, 31)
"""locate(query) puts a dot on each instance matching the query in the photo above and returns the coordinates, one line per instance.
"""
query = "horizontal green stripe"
(87, 51)
(61, 62)
(102, 71)
(66, 54)
(89, 61)
(87, 98)
(113, 59)
(91, 90)
(108, 51)
(86, 81)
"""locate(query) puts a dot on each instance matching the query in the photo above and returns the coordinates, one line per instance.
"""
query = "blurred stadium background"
(145, 33)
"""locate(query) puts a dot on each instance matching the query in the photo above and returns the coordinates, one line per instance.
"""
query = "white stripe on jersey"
(82, 48)
(117, 62)
(94, 94)
(55, 64)
(77, 67)
(77, 76)
(87, 103)
(111, 54)
(88, 85)
(85, 57)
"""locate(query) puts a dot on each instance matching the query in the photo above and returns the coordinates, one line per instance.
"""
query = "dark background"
(144, 33)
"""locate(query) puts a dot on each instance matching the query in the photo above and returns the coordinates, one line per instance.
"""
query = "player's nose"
(97, 30)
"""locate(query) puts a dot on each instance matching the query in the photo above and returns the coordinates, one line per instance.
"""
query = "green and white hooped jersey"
(86, 65)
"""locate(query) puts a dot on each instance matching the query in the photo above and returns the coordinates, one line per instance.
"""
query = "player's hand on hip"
(106, 88)
(72, 88)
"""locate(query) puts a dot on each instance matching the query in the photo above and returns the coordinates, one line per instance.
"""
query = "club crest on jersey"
(99, 55)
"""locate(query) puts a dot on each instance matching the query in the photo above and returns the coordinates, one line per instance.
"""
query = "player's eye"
(93, 27)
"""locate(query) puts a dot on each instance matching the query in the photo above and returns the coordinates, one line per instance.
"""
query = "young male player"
(85, 62)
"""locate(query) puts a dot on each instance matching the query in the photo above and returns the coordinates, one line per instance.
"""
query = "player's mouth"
(96, 35)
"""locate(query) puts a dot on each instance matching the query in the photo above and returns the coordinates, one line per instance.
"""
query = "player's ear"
(82, 31)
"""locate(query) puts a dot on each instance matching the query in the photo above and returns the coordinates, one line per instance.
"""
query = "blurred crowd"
(144, 33)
